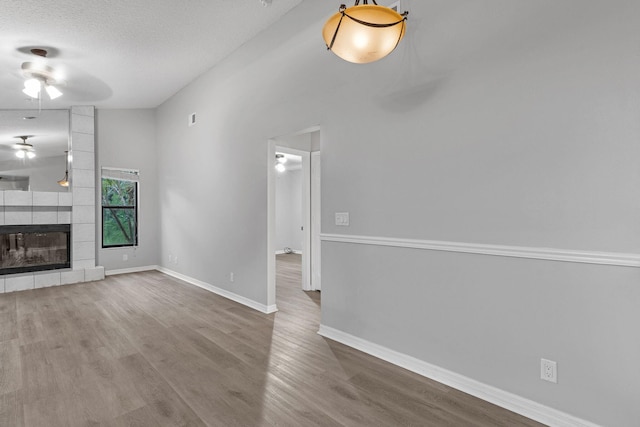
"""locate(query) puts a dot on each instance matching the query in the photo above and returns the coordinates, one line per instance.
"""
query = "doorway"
(298, 157)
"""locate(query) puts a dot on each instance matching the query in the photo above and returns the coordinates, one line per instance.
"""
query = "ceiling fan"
(24, 149)
(40, 76)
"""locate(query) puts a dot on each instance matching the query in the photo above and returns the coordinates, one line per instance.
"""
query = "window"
(119, 208)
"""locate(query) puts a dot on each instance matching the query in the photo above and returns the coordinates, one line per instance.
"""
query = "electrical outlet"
(342, 219)
(170, 258)
(231, 277)
(549, 370)
(125, 257)
(175, 259)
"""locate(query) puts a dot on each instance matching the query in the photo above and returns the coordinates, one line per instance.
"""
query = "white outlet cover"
(342, 219)
(549, 370)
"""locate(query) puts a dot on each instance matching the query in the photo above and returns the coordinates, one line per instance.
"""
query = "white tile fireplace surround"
(76, 208)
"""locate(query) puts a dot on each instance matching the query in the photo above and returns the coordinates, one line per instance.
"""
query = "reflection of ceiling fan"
(23, 148)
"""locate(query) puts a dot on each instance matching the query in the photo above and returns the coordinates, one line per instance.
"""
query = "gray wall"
(126, 139)
(289, 210)
(315, 141)
(300, 142)
(508, 123)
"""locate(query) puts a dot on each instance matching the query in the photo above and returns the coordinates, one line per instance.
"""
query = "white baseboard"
(268, 309)
(131, 270)
(504, 399)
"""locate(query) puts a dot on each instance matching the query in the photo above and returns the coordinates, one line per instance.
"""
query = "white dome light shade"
(364, 33)
(23, 148)
(32, 88)
(22, 153)
(40, 75)
(53, 92)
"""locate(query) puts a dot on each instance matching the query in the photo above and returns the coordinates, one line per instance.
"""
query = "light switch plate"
(342, 219)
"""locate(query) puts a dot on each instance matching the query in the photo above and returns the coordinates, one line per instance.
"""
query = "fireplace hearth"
(28, 248)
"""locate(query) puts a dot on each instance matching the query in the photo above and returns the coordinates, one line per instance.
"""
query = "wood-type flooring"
(146, 349)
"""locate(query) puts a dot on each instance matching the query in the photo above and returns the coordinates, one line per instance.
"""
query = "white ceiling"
(123, 53)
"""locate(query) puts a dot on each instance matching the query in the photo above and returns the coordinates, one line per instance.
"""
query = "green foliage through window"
(119, 213)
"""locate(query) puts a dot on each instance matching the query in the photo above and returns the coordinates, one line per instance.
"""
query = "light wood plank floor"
(145, 349)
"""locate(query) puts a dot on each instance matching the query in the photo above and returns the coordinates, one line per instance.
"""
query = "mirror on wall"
(32, 149)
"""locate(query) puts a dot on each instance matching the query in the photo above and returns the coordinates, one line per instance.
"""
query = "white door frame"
(315, 221)
(271, 216)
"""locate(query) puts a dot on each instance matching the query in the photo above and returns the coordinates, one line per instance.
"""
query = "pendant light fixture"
(24, 149)
(64, 182)
(364, 32)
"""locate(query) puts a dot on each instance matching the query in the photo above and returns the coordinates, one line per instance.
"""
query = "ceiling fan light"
(280, 167)
(30, 154)
(30, 93)
(53, 92)
(32, 84)
(20, 154)
(32, 88)
(364, 33)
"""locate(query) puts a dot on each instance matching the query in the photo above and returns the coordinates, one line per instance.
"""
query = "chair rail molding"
(548, 254)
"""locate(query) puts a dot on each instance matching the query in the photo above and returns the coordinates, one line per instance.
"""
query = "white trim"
(504, 399)
(131, 270)
(271, 223)
(587, 257)
(132, 171)
(316, 221)
(267, 309)
(222, 292)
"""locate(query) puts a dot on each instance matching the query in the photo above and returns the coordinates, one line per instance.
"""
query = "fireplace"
(27, 248)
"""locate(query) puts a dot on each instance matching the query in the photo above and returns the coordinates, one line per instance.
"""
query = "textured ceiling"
(123, 53)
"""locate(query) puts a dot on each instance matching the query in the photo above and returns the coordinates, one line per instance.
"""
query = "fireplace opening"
(27, 248)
